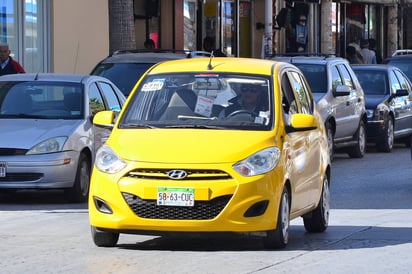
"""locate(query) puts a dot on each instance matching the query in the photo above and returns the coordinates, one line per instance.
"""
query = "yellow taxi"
(212, 145)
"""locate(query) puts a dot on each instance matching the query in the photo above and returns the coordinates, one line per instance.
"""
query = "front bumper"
(375, 130)
(48, 171)
(231, 203)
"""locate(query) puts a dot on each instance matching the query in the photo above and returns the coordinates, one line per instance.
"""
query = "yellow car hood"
(188, 145)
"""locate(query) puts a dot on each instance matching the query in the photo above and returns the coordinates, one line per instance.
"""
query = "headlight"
(258, 163)
(49, 146)
(107, 161)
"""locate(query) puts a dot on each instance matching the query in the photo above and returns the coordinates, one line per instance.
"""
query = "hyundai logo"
(177, 174)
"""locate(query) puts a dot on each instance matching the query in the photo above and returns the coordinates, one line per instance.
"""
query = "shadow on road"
(37, 200)
(335, 238)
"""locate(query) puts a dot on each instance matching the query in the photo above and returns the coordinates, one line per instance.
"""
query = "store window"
(23, 26)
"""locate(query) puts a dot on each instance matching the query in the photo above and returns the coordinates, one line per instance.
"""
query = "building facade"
(72, 36)
(55, 36)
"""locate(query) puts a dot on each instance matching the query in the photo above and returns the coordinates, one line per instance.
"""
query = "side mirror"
(301, 122)
(401, 92)
(342, 90)
(104, 119)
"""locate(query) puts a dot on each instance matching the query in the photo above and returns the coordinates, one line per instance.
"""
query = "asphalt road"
(370, 232)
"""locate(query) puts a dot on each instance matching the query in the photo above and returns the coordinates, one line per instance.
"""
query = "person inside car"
(251, 99)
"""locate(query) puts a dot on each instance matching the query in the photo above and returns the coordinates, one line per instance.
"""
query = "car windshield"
(404, 65)
(123, 75)
(198, 100)
(42, 100)
(316, 76)
(373, 82)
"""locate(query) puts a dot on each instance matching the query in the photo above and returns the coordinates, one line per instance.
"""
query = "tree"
(121, 25)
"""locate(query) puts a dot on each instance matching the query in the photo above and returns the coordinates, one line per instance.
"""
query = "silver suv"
(125, 67)
(339, 98)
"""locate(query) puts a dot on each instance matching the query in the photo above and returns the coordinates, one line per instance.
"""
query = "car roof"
(75, 78)
(144, 56)
(377, 67)
(315, 59)
(220, 64)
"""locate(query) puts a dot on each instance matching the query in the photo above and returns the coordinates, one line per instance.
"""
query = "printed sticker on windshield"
(156, 84)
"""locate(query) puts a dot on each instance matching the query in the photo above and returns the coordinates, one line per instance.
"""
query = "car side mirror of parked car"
(401, 92)
(342, 90)
(104, 119)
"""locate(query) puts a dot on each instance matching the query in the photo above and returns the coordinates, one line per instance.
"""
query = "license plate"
(175, 196)
(2, 169)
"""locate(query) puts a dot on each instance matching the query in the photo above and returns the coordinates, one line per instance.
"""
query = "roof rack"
(122, 51)
(402, 52)
(303, 54)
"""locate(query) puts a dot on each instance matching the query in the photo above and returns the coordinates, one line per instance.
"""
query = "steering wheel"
(241, 111)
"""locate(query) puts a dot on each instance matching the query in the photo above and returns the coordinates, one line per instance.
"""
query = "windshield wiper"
(194, 126)
(186, 117)
(130, 125)
(24, 115)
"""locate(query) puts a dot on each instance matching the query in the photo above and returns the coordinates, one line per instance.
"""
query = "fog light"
(257, 209)
(102, 206)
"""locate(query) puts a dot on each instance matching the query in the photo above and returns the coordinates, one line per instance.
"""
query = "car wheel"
(278, 238)
(358, 151)
(386, 144)
(103, 238)
(331, 141)
(318, 219)
(80, 190)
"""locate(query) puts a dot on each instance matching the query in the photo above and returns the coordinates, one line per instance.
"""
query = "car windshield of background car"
(316, 76)
(201, 101)
(403, 65)
(123, 75)
(373, 82)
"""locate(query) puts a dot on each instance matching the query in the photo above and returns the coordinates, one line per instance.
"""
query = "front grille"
(12, 151)
(21, 177)
(202, 210)
(192, 174)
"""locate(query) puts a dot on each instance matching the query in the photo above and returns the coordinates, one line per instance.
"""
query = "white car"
(47, 139)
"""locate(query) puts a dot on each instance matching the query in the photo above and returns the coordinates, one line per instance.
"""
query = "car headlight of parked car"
(376, 114)
(258, 163)
(49, 146)
(107, 160)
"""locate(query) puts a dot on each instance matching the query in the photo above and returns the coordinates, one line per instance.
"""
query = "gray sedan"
(47, 139)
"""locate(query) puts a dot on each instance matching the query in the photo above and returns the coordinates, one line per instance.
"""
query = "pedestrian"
(352, 56)
(149, 44)
(368, 55)
(7, 64)
(372, 46)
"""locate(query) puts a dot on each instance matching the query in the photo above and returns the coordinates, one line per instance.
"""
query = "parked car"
(388, 93)
(177, 161)
(339, 98)
(401, 59)
(47, 138)
(125, 67)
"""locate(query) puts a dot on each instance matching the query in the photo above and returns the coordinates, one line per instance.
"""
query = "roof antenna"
(209, 66)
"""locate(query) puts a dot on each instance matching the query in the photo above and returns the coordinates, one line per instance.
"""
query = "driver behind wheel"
(251, 99)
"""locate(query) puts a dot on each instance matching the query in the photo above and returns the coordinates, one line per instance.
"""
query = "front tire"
(359, 150)
(79, 193)
(103, 238)
(330, 139)
(279, 237)
(386, 144)
(318, 219)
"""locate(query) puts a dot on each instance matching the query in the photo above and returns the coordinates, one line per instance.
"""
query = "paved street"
(370, 232)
